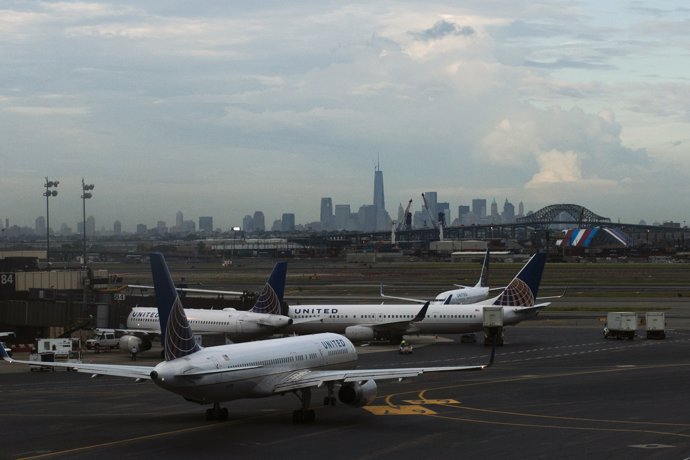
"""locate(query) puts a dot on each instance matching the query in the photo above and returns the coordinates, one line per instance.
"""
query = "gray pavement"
(555, 391)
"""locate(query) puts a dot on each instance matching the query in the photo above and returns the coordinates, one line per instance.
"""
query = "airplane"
(363, 323)
(262, 320)
(263, 368)
(463, 295)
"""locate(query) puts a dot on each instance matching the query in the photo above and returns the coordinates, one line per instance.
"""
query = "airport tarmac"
(553, 392)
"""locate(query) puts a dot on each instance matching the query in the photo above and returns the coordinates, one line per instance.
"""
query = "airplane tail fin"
(270, 298)
(176, 335)
(522, 291)
(484, 277)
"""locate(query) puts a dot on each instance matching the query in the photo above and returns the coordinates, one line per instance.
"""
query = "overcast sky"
(224, 108)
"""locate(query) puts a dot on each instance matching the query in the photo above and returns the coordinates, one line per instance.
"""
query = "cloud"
(48, 111)
(444, 29)
(557, 168)
(536, 98)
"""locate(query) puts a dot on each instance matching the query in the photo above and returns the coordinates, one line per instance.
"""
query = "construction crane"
(438, 226)
(428, 211)
(405, 222)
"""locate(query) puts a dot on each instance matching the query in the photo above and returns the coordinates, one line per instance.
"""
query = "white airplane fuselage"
(439, 319)
(252, 370)
(235, 324)
(466, 295)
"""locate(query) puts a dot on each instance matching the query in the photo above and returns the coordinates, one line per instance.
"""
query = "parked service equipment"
(655, 323)
(620, 325)
(59, 347)
(493, 325)
(103, 341)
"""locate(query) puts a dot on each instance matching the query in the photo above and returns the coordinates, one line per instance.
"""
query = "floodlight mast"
(49, 193)
(86, 194)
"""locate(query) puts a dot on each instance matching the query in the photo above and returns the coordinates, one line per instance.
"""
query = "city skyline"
(477, 211)
(221, 109)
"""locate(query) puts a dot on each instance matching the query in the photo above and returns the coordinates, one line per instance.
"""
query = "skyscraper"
(248, 224)
(259, 221)
(288, 222)
(479, 209)
(382, 220)
(431, 198)
(495, 217)
(326, 213)
(343, 217)
(379, 200)
(90, 227)
(206, 224)
(443, 208)
(40, 226)
(508, 212)
(463, 213)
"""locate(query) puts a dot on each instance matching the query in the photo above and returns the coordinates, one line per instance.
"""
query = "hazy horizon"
(222, 109)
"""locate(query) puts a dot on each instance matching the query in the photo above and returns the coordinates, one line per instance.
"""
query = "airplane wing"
(399, 325)
(400, 298)
(135, 372)
(554, 296)
(533, 309)
(128, 331)
(6, 334)
(201, 291)
(154, 333)
(307, 379)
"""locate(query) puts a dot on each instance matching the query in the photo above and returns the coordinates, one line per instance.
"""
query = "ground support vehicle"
(655, 325)
(103, 341)
(620, 325)
(493, 325)
(45, 357)
(405, 349)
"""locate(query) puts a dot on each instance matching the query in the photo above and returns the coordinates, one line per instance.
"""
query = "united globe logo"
(516, 294)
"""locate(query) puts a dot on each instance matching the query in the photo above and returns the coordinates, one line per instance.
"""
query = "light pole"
(86, 194)
(234, 233)
(48, 193)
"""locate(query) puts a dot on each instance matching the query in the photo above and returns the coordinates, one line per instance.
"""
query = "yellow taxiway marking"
(400, 410)
(437, 402)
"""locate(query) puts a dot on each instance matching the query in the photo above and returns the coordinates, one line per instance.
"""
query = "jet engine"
(356, 394)
(127, 342)
(359, 333)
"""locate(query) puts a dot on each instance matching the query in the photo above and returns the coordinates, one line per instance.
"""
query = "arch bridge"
(550, 214)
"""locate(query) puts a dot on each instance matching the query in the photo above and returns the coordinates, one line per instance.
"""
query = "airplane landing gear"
(304, 415)
(217, 413)
(330, 399)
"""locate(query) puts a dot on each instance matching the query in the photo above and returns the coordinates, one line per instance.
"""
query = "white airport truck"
(493, 325)
(620, 325)
(655, 324)
(104, 340)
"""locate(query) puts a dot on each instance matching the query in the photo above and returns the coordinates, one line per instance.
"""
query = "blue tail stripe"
(523, 290)
(176, 334)
(484, 276)
(271, 296)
